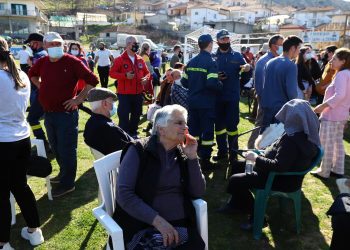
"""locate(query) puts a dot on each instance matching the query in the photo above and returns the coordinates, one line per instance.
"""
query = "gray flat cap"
(99, 94)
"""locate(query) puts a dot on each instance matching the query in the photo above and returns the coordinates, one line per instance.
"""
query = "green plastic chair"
(262, 196)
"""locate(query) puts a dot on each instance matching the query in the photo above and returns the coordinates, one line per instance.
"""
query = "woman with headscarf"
(292, 152)
(158, 177)
(15, 151)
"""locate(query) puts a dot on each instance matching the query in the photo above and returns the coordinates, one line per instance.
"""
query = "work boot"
(220, 157)
(207, 165)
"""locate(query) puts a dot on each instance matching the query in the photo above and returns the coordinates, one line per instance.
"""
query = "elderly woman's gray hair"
(130, 39)
(163, 115)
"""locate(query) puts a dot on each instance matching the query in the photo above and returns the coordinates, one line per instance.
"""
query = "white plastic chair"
(106, 170)
(41, 152)
(97, 155)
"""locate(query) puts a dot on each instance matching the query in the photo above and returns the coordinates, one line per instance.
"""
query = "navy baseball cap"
(222, 34)
(34, 37)
(205, 38)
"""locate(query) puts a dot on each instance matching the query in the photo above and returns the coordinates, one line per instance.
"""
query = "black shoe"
(220, 157)
(148, 128)
(207, 165)
(56, 179)
(60, 191)
(315, 174)
(335, 175)
(226, 209)
(247, 226)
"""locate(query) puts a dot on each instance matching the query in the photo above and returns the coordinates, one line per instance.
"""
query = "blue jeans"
(129, 112)
(62, 131)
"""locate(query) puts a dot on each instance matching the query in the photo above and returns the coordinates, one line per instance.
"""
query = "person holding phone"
(132, 74)
(153, 204)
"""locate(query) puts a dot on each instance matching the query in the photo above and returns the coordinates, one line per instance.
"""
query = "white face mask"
(178, 81)
(280, 50)
(74, 52)
(55, 52)
(308, 56)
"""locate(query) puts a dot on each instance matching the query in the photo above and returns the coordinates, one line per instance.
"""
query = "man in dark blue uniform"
(201, 79)
(230, 64)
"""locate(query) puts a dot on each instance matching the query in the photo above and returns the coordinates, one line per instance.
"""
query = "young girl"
(334, 114)
(15, 151)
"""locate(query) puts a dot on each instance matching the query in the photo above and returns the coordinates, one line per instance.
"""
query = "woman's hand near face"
(169, 233)
(190, 146)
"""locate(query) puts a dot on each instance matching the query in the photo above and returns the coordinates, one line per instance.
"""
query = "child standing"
(334, 114)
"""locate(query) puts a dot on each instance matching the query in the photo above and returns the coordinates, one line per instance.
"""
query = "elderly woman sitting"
(292, 152)
(157, 179)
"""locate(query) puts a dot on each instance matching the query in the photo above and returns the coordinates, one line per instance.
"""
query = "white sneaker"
(7, 246)
(35, 238)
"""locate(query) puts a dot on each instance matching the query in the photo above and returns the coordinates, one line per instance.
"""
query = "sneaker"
(7, 246)
(220, 157)
(56, 179)
(60, 191)
(35, 238)
(207, 165)
(316, 173)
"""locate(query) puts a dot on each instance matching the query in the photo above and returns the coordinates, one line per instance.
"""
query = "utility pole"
(345, 28)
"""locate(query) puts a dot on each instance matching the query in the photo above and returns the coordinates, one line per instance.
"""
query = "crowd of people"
(190, 106)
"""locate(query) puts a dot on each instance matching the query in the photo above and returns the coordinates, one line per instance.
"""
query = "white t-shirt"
(13, 105)
(103, 57)
(132, 58)
(23, 56)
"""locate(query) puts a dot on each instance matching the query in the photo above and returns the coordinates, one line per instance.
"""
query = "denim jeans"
(62, 131)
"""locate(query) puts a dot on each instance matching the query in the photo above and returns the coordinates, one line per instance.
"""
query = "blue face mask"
(55, 52)
(280, 50)
(113, 111)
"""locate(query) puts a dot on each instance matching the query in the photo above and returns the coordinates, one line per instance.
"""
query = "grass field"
(68, 223)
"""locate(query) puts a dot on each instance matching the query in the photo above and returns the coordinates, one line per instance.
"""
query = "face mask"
(102, 48)
(135, 47)
(113, 111)
(280, 50)
(55, 52)
(308, 56)
(178, 81)
(74, 52)
(224, 46)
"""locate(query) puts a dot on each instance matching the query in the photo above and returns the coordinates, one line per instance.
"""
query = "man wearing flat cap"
(101, 133)
(230, 63)
(201, 79)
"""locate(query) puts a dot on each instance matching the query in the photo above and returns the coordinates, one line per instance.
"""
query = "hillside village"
(173, 19)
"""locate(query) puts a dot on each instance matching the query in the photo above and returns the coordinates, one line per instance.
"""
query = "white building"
(312, 17)
(18, 18)
(205, 13)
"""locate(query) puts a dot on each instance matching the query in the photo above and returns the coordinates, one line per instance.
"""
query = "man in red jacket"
(132, 74)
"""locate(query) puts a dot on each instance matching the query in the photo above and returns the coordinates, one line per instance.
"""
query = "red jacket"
(121, 66)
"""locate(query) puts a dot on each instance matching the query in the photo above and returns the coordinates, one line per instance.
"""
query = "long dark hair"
(7, 58)
(301, 59)
(81, 52)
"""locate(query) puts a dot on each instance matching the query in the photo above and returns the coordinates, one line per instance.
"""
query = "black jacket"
(288, 154)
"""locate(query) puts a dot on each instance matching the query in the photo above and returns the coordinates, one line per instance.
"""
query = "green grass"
(68, 223)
